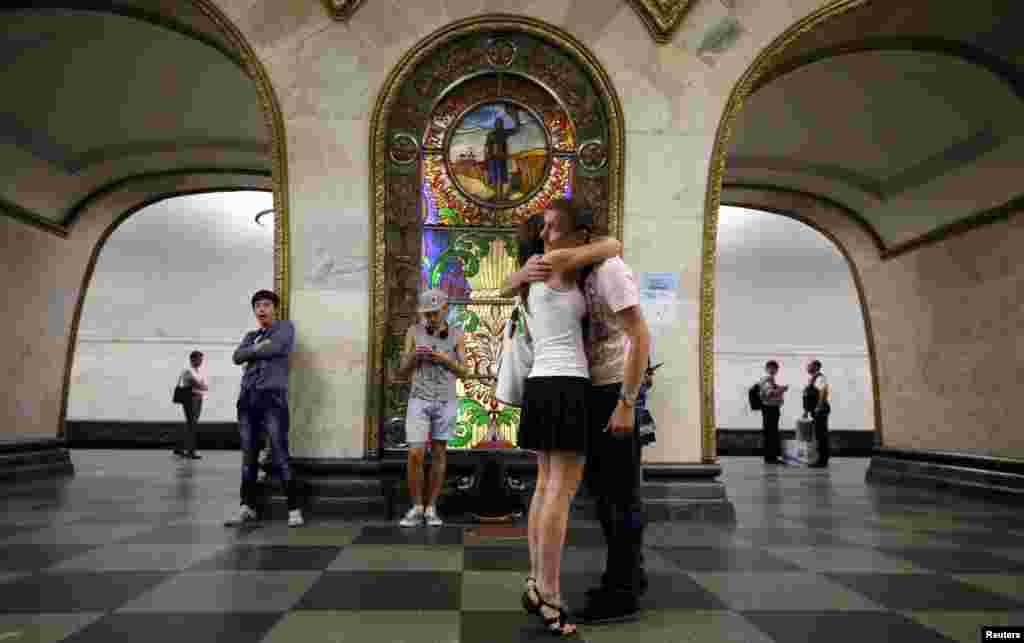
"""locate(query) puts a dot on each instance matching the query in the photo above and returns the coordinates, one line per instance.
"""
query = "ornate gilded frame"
(764, 62)
(387, 107)
(662, 17)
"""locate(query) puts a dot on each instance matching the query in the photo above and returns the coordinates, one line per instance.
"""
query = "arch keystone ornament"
(342, 10)
(662, 17)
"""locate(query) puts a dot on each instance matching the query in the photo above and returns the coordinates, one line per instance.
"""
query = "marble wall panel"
(328, 373)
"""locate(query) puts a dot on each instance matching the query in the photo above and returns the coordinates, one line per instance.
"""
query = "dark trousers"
(821, 433)
(264, 413)
(613, 475)
(770, 430)
(192, 407)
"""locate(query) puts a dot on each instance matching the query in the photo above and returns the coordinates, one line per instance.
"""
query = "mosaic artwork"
(489, 159)
(470, 266)
(498, 154)
(483, 133)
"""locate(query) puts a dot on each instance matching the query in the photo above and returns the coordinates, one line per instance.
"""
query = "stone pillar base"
(966, 474)
(377, 488)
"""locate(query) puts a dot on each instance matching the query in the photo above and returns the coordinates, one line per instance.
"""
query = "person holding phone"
(772, 395)
(434, 355)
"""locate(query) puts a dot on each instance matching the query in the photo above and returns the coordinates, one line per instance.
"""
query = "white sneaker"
(246, 515)
(295, 518)
(433, 520)
(413, 518)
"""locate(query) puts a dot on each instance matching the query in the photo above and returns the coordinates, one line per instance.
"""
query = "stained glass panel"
(496, 151)
(481, 417)
(466, 263)
(489, 160)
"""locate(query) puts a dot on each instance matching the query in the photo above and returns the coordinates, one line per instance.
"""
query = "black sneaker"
(637, 590)
(605, 607)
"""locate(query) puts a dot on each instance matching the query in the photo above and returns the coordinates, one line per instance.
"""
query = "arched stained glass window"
(497, 150)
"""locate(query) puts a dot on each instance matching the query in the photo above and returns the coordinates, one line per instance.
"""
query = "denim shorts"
(426, 421)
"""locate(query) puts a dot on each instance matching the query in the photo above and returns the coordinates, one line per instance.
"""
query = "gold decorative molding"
(662, 17)
(342, 10)
(764, 62)
(270, 107)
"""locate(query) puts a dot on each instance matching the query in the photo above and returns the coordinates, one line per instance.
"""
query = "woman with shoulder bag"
(191, 399)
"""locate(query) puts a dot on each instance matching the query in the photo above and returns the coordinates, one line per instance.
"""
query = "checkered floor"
(132, 549)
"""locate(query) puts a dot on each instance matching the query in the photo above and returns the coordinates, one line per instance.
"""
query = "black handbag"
(182, 394)
(645, 427)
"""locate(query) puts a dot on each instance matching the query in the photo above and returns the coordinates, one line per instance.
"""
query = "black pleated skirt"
(554, 414)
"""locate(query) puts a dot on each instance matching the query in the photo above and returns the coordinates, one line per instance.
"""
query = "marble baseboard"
(672, 491)
(749, 442)
(224, 435)
(991, 478)
(32, 457)
(114, 434)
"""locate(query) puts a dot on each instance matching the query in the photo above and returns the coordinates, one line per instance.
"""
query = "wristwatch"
(630, 401)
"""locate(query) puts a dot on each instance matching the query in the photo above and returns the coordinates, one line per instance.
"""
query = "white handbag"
(804, 429)
(515, 361)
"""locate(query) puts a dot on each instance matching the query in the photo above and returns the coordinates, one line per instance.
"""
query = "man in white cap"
(434, 354)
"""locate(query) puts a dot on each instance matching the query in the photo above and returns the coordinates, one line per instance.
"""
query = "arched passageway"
(787, 293)
(117, 106)
(174, 277)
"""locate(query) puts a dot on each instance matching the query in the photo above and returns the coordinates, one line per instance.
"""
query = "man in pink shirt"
(618, 348)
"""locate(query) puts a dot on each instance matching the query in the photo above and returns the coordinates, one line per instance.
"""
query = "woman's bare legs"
(533, 518)
(565, 469)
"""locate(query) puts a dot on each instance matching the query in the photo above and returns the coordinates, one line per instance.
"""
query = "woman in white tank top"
(554, 419)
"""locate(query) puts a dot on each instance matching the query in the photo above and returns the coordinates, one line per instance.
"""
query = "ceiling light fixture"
(262, 213)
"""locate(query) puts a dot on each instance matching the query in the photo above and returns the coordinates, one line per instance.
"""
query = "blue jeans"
(262, 412)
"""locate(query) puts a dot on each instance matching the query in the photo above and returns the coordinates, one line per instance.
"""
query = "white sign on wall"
(658, 292)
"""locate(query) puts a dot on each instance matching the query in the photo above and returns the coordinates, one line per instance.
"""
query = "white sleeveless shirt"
(554, 324)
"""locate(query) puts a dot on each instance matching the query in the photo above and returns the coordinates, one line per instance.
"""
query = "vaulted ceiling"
(115, 91)
(905, 112)
(908, 113)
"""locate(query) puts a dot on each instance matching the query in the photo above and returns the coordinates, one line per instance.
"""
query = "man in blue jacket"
(263, 404)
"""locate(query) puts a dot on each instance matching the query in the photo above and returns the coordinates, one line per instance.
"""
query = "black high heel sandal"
(555, 625)
(527, 604)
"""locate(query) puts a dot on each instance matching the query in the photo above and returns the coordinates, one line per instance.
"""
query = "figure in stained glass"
(498, 153)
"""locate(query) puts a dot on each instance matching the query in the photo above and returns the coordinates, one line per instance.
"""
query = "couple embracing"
(591, 346)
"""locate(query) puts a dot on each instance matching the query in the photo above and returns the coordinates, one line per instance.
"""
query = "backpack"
(754, 396)
(811, 395)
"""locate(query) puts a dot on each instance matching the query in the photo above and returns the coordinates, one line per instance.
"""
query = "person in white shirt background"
(193, 378)
(818, 405)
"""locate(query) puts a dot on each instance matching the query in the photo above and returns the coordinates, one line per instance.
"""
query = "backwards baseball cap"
(432, 300)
